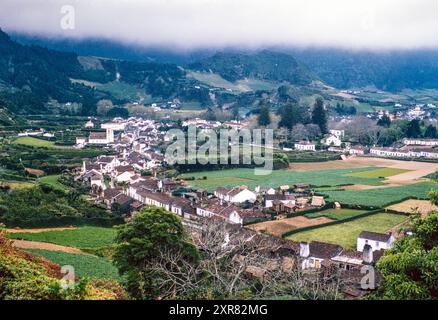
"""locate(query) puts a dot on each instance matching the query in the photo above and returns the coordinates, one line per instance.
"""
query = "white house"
(89, 124)
(421, 142)
(357, 150)
(333, 140)
(263, 190)
(81, 142)
(124, 176)
(270, 199)
(305, 146)
(377, 241)
(236, 194)
(214, 209)
(337, 133)
(109, 163)
(101, 137)
(115, 126)
(389, 152)
(315, 252)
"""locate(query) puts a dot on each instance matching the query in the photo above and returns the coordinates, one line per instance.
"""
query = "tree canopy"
(319, 115)
(152, 232)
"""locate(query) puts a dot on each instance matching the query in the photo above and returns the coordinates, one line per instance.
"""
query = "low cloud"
(192, 24)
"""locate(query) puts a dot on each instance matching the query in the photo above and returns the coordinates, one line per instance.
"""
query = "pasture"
(52, 181)
(378, 173)
(83, 237)
(234, 177)
(34, 142)
(335, 214)
(345, 234)
(84, 265)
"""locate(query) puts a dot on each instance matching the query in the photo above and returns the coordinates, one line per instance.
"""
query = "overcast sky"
(192, 24)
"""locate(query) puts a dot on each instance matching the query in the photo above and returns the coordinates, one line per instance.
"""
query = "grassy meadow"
(83, 237)
(345, 234)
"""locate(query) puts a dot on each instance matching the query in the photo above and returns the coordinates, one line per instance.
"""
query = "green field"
(336, 214)
(345, 234)
(378, 173)
(381, 197)
(52, 181)
(84, 237)
(215, 80)
(34, 142)
(84, 265)
(234, 177)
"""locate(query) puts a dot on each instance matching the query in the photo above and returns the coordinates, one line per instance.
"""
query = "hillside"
(25, 276)
(389, 71)
(264, 65)
(31, 76)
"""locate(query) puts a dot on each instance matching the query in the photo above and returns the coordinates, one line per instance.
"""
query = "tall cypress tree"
(291, 115)
(319, 115)
(264, 118)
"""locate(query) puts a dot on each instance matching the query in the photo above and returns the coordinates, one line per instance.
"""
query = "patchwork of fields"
(235, 177)
(64, 247)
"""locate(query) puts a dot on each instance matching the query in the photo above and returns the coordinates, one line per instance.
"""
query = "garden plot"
(278, 227)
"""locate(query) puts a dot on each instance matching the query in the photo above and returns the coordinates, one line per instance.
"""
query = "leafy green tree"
(291, 115)
(319, 115)
(410, 269)
(414, 129)
(118, 112)
(430, 132)
(264, 118)
(152, 232)
(384, 121)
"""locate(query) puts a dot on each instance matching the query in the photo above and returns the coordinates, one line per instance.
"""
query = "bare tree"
(240, 263)
(299, 132)
(364, 130)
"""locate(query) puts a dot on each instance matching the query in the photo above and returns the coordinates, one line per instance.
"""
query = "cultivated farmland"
(278, 227)
(234, 177)
(345, 234)
(84, 265)
(380, 197)
(84, 237)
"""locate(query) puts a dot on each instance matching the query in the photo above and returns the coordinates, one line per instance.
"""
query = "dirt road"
(24, 244)
(38, 230)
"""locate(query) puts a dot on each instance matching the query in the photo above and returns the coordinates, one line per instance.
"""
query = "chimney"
(304, 249)
(367, 254)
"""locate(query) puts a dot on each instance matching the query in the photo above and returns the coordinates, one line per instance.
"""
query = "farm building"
(377, 241)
